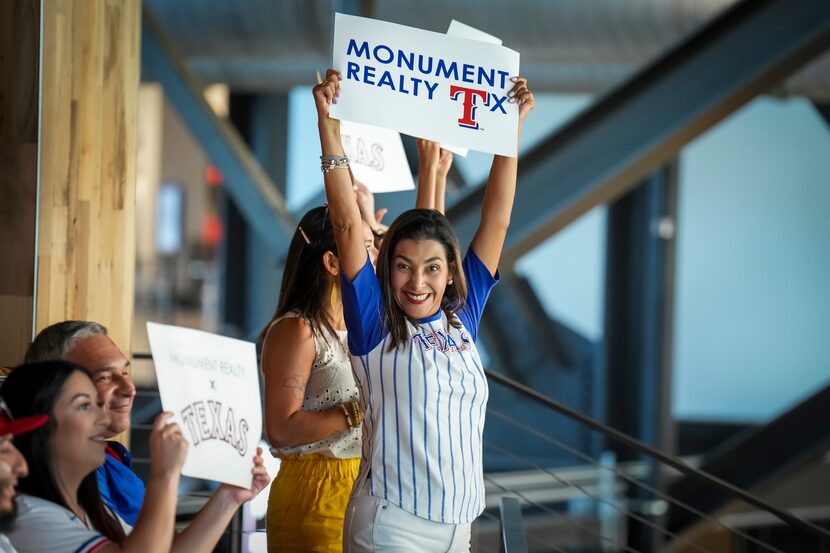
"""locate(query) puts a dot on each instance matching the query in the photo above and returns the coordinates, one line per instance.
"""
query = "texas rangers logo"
(468, 98)
(442, 341)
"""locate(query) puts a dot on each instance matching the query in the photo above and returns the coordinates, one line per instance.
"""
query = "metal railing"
(605, 491)
(538, 501)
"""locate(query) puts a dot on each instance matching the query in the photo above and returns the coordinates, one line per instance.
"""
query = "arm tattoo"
(296, 385)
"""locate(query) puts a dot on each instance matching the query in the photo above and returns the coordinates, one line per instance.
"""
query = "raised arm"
(433, 166)
(444, 164)
(500, 191)
(366, 203)
(429, 154)
(343, 209)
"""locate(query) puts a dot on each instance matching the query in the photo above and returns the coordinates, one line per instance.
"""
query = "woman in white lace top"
(312, 416)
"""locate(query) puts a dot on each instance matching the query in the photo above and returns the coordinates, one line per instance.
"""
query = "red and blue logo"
(468, 97)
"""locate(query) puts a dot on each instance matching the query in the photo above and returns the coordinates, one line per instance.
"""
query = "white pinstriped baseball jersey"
(424, 403)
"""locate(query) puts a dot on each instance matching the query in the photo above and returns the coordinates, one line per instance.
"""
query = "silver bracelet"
(327, 163)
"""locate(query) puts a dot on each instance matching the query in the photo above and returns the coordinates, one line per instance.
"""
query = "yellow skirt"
(307, 504)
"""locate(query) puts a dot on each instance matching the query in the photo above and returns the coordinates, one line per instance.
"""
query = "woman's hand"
(444, 163)
(325, 94)
(168, 448)
(366, 203)
(259, 481)
(521, 95)
(429, 154)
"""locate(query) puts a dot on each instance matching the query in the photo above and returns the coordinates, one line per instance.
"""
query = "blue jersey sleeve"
(479, 284)
(363, 310)
(103, 486)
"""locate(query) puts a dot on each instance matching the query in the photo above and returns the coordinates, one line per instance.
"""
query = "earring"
(334, 296)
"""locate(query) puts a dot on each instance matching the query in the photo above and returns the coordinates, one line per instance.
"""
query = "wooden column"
(86, 227)
(19, 51)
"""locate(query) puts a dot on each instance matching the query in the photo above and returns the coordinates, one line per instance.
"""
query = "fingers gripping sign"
(326, 92)
(522, 96)
(168, 448)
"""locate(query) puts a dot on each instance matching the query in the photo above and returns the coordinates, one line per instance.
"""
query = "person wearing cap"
(12, 467)
(87, 344)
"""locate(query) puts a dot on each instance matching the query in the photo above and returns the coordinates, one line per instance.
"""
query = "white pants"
(374, 525)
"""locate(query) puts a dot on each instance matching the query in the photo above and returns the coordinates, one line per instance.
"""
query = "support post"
(512, 530)
(87, 142)
(638, 324)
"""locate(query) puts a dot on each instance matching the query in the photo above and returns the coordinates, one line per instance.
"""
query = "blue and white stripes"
(424, 403)
(425, 417)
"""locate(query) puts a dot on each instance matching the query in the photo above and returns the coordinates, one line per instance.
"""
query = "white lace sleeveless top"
(331, 383)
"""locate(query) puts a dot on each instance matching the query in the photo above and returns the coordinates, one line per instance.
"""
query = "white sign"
(444, 88)
(211, 384)
(376, 157)
(458, 28)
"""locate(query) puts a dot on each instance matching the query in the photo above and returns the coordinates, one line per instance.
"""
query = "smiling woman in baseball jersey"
(411, 335)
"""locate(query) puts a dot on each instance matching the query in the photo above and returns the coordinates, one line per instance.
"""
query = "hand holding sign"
(325, 94)
(520, 94)
(168, 448)
(259, 481)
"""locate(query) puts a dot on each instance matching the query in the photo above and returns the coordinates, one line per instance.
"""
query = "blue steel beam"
(639, 290)
(645, 122)
(253, 192)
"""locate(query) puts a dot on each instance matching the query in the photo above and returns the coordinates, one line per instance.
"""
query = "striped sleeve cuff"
(93, 544)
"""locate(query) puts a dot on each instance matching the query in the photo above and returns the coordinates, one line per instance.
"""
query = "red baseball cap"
(13, 426)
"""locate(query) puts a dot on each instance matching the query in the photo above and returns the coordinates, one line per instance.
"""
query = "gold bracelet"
(356, 413)
(348, 417)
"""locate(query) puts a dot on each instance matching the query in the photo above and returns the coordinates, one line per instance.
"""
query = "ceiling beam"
(646, 121)
(245, 181)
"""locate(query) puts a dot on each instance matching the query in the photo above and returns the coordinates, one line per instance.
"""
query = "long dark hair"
(33, 389)
(304, 279)
(419, 224)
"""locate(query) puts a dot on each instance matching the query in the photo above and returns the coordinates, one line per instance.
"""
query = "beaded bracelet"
(356, 413)
(327, 163)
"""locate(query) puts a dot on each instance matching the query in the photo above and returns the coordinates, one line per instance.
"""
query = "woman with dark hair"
(312, 416)
(60, 509)
(411, 334)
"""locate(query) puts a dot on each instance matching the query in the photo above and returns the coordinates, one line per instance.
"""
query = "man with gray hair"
(86, 344)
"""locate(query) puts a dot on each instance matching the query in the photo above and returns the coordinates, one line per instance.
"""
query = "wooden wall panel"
(86, 243)
(19, 50)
